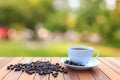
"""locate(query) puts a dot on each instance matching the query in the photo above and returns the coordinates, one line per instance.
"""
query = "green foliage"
(110, 29)
(92, 16)
(9, 15)
(57, 21)
(87, 14)
(27, 12)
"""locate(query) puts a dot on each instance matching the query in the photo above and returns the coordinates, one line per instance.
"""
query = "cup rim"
(87, 48)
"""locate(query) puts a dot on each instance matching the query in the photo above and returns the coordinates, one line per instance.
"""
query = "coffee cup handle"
(98, 53)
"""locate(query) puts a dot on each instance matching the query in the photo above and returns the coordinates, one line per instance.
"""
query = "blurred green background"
(49, 27)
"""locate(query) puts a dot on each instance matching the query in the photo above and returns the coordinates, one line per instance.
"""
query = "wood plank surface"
(108, 71)
(71, 74)
(4, 61)
(4, 71)
(14, 75)
(85, 75)
(111, 65)
(60, 75)
(114, 61)
(26, 76)
(98, 74)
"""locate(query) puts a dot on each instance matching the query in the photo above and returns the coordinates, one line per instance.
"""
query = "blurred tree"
(110, 30)
(93, 16)
(87, 14)
(27, 12)
(57, 21)
(9, 14)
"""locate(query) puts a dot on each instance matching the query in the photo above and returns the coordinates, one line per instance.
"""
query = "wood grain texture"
(98, 74)
(60, 75)
(114, 61)
(15, 75)
(108, 71)
(4, 71)
(111, 65)
(26, 76)
(72, 75)
(4, 61)
(85, 75)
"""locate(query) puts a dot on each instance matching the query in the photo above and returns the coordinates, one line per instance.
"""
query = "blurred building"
(3, 32)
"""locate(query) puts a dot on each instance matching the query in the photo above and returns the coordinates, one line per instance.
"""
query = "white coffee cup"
(81, 55)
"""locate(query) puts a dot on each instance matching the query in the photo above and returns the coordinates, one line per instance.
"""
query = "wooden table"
(109, 69)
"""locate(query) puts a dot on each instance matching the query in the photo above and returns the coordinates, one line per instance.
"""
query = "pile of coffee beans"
(40, 67)
(72, 63)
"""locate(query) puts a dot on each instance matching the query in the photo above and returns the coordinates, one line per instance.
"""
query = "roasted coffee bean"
(57, 64)
(17, 69)
(62, 68)
(42, 68)
(23, 70)
(72, 63)
(55, 74)
(8, 68)
(30, 72)
(65, 71)
(44, 73)
(12, 68)
(41, 72)
(11, 65)
(67, 61)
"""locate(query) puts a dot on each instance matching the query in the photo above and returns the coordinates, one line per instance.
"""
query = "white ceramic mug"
(81, 54)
